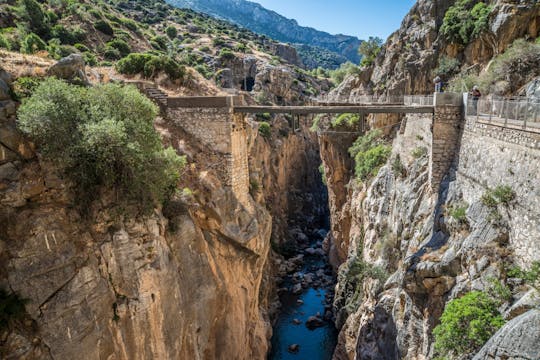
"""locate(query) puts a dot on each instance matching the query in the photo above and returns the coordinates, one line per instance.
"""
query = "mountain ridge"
(257, 18)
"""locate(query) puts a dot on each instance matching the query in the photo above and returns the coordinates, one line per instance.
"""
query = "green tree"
(102, 137)
(33, 14)
(369, 50)
(171, 32)
(465, 20)
(466, 325)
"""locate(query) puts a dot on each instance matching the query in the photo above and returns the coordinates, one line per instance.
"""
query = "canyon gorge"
(286, 235)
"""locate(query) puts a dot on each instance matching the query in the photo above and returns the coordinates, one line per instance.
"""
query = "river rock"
(314, 322)
(293, 348)
(296, 322)
(310, 251)
(297, 289)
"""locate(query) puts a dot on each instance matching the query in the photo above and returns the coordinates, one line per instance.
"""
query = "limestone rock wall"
(399, 224)
(118, 284)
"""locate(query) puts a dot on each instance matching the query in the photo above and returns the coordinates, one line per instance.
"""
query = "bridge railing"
(518, 112)
(362, 99)
(422, 100)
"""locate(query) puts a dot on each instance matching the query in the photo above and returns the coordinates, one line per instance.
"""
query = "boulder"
(297, 289)
(527, 302)
(518, 339)
(4, 90)
(69, 68)
(296, 322)
(293, 348)
(314, 322)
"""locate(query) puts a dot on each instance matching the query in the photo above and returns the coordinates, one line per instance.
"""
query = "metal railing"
(362, 99)
(422, 100)
(510, 112)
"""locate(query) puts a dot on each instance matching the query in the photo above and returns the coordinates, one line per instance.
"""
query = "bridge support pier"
(447, 123)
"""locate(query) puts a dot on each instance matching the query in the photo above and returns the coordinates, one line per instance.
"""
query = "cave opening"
(247, 84)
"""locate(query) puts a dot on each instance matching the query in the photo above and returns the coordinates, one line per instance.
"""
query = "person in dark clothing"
(438, 84)
(475, 94)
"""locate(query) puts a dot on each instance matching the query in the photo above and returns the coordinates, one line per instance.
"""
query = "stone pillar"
(447, 123)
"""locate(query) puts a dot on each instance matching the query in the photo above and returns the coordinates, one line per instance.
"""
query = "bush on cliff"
(102, 137)
(466, 325)
(369, 153)
(465, 21)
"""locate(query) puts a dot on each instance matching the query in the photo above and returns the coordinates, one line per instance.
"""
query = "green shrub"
(323, 174)
(104, 26)
(226, 54)
(164, 64)
(34, 16)
(159, 42)
(263, 116)
(171, 32)
(466, 324)
(499, 291)
(397, 167)
(111, 53)
(133, 63)
(90, 58)
(4, 42)
(419, 152)
(369, 154)
(218, 41)
(465, 20)
(120, 45)
(369, 49)
(32, 44)
(102, 137)
(502, 194)
(350, 120)
(447, 66)
(459, 213)
(24, 86)
(265, 129)
(344, 70)
(68, 36)
(11, 307)
(531, 276)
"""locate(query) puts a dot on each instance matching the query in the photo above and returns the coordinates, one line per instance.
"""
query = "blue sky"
(362, 18)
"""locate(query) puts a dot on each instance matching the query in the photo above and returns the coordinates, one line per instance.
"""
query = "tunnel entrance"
(247, 84)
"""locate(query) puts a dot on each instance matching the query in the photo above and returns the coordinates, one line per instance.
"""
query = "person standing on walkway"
(475, 94)
(438, 84)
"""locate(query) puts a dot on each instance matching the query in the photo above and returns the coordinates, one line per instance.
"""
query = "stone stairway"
(156, 95)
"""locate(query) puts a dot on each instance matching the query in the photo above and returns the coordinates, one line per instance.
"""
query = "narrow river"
(292, 338)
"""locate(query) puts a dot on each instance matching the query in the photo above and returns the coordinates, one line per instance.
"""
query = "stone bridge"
(219, 123)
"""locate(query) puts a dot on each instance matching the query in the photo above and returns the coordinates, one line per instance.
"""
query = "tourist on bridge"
(438, 84)
(475, 94)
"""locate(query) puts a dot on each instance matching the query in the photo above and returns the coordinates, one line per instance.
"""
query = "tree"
(35, 16)
(369, 50)
(171, 32)
(102, 137)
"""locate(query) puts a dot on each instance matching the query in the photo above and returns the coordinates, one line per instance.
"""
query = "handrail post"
(525, 117)
(506, 116)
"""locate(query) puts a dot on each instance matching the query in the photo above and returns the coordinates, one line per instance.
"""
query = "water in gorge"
(304, 294)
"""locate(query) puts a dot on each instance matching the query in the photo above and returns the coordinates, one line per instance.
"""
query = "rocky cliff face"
(416, 256)
(410, 56)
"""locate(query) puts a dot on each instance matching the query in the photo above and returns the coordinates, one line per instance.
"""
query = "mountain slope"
(259, 19)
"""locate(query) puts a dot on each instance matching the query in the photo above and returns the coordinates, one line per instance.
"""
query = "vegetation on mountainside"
(369, 50)
(102, 137)
(502, 194)
(323, 174)
(369, 153)
(465, 21)
(163, 38)
(530, 276)
(348, 120)
(352, 278)
(519, 64)
(466, 325)
(265, 130)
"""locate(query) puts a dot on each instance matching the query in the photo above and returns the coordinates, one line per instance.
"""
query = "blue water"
(317, 344)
